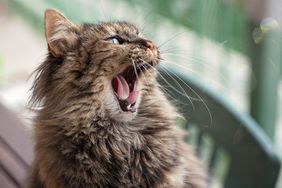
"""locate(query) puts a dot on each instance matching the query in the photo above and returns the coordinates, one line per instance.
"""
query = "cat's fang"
(135, 86)
(131, 108)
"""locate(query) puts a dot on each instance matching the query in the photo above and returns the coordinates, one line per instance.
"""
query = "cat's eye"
(116, 40)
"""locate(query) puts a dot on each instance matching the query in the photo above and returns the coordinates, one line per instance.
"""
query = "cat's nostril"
(151, 46)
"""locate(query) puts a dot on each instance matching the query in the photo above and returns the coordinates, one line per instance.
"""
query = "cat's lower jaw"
(113, 108)
(121, 116)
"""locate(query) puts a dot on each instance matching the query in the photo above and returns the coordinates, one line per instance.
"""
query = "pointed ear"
(60, 33)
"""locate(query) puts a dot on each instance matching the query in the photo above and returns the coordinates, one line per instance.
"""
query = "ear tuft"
(60, 33)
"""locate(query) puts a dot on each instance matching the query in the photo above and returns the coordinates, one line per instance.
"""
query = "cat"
(102, 120)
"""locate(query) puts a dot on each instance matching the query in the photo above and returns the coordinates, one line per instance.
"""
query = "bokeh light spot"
(266, 25)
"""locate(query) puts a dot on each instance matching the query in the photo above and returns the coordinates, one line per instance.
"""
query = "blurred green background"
(233, 46)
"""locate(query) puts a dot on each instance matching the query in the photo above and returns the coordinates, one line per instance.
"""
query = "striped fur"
(82, 139)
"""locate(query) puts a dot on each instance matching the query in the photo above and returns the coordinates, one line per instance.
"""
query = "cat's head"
(94, 68)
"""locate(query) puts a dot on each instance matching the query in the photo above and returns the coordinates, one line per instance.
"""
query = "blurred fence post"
(266, 63)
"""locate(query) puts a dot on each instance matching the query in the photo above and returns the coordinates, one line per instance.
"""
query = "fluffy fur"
(82, 137)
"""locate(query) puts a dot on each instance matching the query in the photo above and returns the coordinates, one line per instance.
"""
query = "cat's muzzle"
(125, 85)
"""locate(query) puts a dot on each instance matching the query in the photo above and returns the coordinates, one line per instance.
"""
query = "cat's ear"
(60, 33)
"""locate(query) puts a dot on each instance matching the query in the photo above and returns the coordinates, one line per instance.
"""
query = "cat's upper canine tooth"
(135, 85)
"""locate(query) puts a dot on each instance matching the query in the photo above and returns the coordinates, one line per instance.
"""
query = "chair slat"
(213, 158)
(253, 161)
(199, 143)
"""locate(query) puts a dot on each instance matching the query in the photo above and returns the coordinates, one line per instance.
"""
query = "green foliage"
(216, 19)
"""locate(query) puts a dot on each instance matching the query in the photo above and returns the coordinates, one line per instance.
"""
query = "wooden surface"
(15, 150)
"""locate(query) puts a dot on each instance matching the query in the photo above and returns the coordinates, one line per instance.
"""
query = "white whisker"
(213, 70)
(181, 66)
(170, 39)
(135, 70)
(171, 86)
(179, 86)
(189, 87)
(165, 90)
(146, 81)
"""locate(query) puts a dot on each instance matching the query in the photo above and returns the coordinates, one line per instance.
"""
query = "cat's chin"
(120, 115)
(124, 116)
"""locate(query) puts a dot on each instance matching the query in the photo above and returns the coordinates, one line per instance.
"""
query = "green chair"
(253, 162)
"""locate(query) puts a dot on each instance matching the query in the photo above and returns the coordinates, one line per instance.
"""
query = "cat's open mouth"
(125, 87)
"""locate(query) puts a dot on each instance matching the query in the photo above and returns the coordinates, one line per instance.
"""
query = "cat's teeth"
(135, 85)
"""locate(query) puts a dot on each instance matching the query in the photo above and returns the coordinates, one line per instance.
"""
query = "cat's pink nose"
(151, 46)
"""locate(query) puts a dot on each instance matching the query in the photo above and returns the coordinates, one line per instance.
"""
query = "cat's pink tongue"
(131, 99)
(122, 90)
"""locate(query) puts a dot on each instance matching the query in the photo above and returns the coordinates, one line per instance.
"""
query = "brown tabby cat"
(103, 121)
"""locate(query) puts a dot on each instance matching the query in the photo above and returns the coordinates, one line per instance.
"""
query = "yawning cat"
(102, 120)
